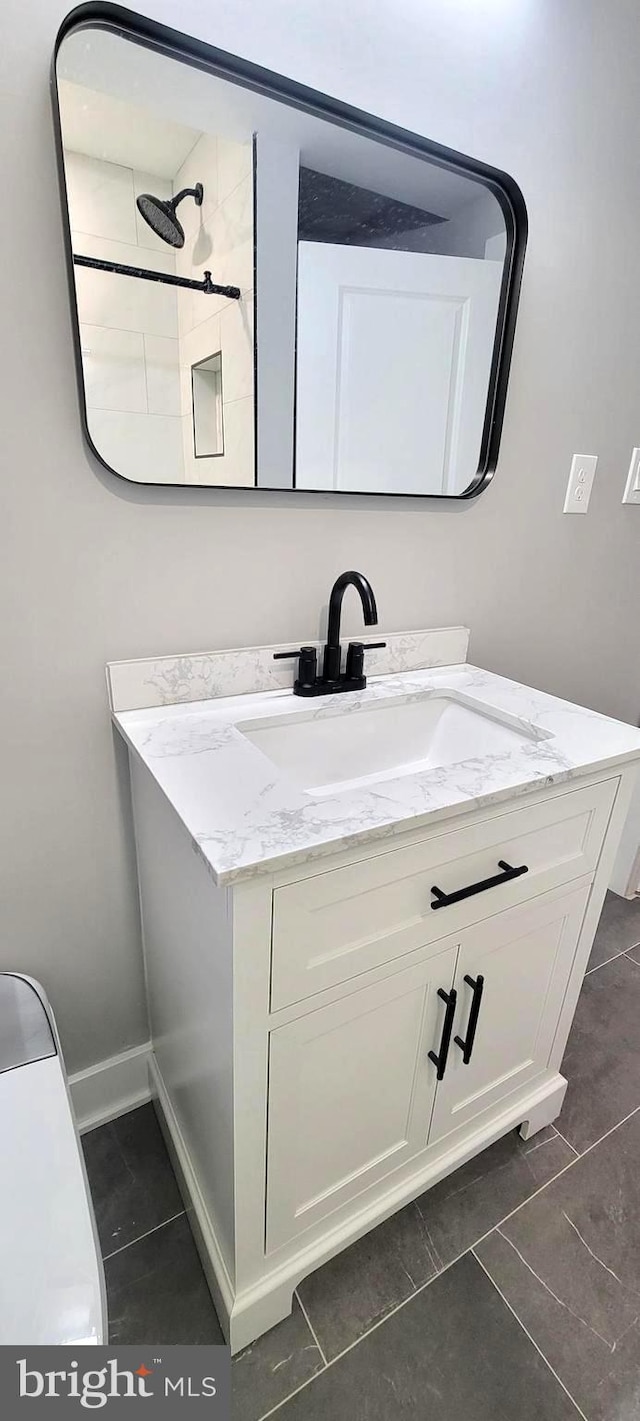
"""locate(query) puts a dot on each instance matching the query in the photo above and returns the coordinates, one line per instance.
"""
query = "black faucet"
(307, 682)
(332, 651)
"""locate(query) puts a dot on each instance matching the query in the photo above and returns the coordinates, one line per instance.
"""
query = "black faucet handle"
(302, 651)
(355, 657)
(307, 663)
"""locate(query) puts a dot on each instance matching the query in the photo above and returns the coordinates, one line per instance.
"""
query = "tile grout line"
(447, 1266)
(290, 1395)
(596, 968)
(528, 1334)
(311, 1328)
(569, 1146)
(140, 1237)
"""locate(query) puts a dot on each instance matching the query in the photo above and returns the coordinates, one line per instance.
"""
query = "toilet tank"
(51, 1275)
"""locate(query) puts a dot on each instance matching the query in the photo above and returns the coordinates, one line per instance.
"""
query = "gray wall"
(93, 569)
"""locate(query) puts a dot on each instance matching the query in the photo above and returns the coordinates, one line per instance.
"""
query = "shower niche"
(207, 407)
(272, 290)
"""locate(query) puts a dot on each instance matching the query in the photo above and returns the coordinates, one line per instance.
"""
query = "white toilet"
(52, 1280)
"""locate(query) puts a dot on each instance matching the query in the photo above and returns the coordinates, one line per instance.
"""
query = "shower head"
(161, 215)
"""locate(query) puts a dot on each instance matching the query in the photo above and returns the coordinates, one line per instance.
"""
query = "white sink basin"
(331, 750)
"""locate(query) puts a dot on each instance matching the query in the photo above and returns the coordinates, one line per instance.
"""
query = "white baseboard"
(111, 1087)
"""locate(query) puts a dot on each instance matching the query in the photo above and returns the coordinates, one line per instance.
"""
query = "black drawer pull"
(440, 1061)
(466, 1044)
(444, 900)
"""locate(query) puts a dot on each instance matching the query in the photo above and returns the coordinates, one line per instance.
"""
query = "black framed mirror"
(271, 289)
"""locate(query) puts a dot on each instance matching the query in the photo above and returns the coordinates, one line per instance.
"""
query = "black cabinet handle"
(440, 1061)
(466, 1044)
(444, 900)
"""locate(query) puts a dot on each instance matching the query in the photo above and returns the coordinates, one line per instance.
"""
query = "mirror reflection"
(266, 297)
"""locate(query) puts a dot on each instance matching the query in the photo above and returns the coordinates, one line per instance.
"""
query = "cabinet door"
(521, 959)
(351, 1091)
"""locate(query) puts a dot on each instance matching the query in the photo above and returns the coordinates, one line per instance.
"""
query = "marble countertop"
(246, 817)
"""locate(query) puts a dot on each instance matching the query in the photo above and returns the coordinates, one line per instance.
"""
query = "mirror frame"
(197, 53)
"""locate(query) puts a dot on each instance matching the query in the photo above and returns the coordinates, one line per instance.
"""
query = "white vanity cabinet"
(299, 1018)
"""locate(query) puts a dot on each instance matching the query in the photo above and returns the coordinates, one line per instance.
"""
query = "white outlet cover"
(583, 469)
(632, 488)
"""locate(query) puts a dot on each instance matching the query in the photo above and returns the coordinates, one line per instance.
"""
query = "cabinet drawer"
(333, 926)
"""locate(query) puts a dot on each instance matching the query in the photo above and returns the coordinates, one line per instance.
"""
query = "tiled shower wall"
(219, 238)
(129, 327)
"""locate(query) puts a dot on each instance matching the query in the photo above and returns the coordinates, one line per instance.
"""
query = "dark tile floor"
(509, 1292)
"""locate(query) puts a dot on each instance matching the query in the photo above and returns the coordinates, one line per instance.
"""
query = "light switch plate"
(583, 469)
(632, 489)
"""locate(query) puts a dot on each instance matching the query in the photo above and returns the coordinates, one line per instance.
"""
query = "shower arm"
(207, 286)
(195, 192)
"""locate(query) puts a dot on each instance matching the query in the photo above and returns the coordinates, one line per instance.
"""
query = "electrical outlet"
(583, 469)
(632, 489)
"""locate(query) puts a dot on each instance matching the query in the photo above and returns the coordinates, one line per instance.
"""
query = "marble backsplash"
(203, 676)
